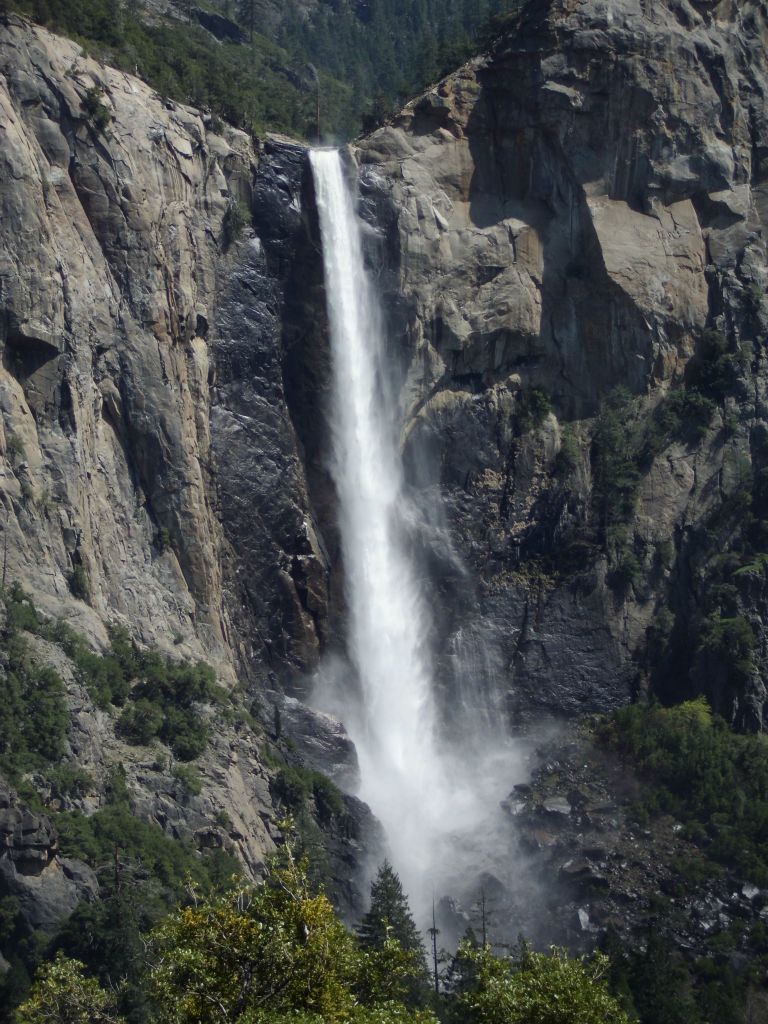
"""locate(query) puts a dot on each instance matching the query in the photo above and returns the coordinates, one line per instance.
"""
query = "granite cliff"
(152, 479)
(569, 236)
(581, 211)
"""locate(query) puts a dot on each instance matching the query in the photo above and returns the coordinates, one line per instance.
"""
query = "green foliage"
(273, 954)
(654, 982)
(728, 643)
(294, 785)
(276, 952)
(368, 59)
(168, 862)
(615, 472)
(35, 719)
(389, 915)
(20, 612)
(389, 50)
(189, 777)
(627, 570)
(684, 414)
(109, 937)
(236, 216)
(165, 539)
(534, 407)
(536, 988)
(624, 446)
(14, 449)
(79, 584)
(161, 696)
(140, 722)
(250, 86)
(711, 778)
(715, 370)
(9, 909)
(97, 112)
(143, 875)
(67, 780)
(388, 927)
(62, 994)
(567, 458)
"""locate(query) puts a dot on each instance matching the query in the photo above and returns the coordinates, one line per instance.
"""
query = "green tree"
(389, 916)
(271, 953)
(660, 984)
(536, 988)
(62, 994)
(278, 948)
(388, 926)
(247, 13)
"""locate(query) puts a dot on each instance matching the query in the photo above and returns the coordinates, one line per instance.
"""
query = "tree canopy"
(277, 953)
(389, 915)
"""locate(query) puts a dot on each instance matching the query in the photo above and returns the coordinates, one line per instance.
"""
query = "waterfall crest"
(422, 794)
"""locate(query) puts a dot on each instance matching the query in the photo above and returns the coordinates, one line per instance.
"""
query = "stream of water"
(431, 799)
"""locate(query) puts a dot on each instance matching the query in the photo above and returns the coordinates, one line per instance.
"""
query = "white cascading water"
(426, 797)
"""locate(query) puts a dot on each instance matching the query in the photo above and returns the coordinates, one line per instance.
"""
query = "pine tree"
(247, 13)
(389, 916)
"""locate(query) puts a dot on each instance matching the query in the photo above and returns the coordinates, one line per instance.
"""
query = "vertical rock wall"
(572, 214)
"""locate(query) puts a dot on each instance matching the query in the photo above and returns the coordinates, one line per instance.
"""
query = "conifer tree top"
(389, 915)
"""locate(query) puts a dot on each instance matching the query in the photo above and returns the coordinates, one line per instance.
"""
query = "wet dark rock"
(219, 26)
(322, 741)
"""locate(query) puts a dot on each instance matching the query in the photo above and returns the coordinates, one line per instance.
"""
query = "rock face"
(46, 887)
(150, 472)
(118, 379)
(580, 209)
(573, 213)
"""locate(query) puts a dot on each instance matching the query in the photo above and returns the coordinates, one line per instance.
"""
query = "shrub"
(189, 778)
(236, 216)
(567, 458)
(35, 719)
(713, 779)
(534, 407)
(20, 611)
(183, 731)
(97, 112)
(730, 643)
(167, 862)
(626, 572)
(165, 539)
(14, 449)
(68, 780)
(536, 988)
(62, 994)
(684, 413)
(276, 953)
(714, 371)
(79, 584)
(616, 477)
(293, 786)
(140, 722)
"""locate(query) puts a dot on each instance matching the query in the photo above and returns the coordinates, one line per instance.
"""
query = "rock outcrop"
(44, 886)
(572, 213)
(117, 212)
(150, 473)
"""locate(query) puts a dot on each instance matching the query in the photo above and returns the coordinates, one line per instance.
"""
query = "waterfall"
(423, 794)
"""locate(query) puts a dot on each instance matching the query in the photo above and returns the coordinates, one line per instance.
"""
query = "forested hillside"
(264, 65)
